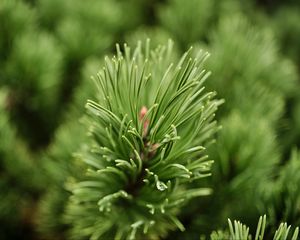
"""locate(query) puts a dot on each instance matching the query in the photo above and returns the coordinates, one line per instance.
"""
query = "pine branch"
(148, 133)
(239, 231)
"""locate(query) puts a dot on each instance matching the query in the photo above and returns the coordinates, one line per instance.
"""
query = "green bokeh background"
(50, 48)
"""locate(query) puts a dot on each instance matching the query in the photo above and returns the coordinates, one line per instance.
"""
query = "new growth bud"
(143, 112)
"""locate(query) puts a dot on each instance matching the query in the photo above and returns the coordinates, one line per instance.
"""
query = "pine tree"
(135, 164)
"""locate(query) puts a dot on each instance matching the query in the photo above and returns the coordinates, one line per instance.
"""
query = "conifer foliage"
(238, 231)
(135, 152)
(148, 132)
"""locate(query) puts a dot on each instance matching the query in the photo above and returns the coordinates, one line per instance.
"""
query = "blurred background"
(50, 48)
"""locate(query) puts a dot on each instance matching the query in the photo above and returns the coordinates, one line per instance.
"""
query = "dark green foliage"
(235, 150)
(42, 77)
(286, 25)
(60, 165)
(248, 68)
(282, 195)
(20, 180)
(91, 31)
(39, 69)
(244, 159)
(16, 18)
